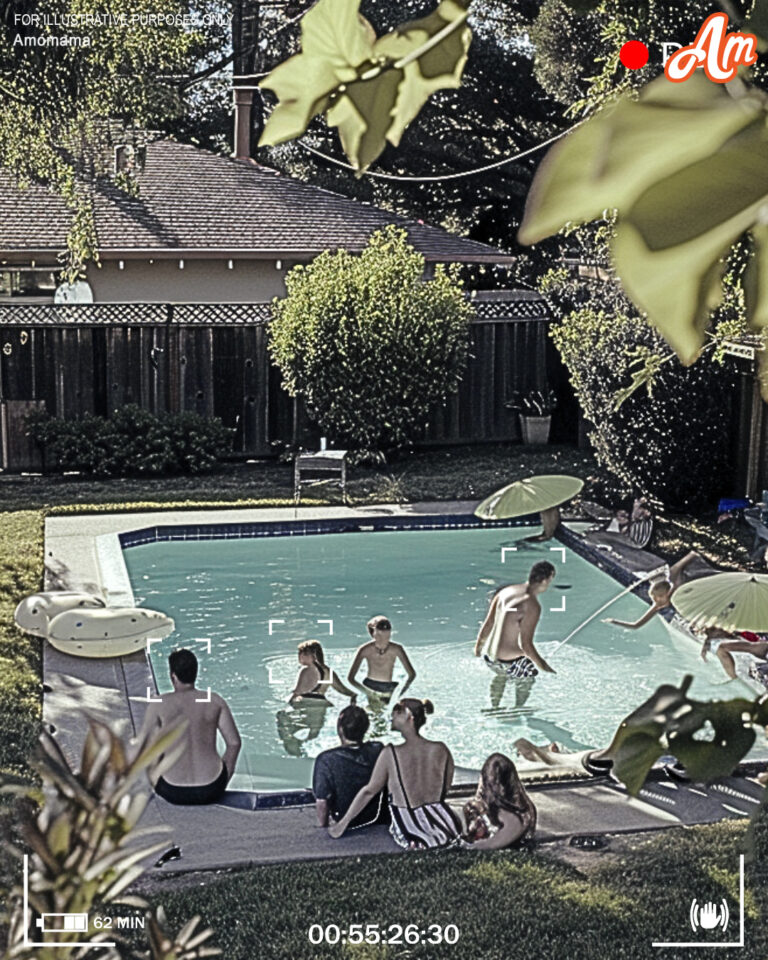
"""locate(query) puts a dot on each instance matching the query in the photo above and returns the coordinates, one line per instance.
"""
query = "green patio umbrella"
(529, 496)
(732, 601)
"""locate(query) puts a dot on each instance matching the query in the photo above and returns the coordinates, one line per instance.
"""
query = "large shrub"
(132, 442)
(368, 343)
(672, 441)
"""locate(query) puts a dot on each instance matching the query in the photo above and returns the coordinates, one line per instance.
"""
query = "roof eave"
(21, 254)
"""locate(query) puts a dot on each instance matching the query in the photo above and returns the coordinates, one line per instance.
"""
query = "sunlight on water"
(435, 587)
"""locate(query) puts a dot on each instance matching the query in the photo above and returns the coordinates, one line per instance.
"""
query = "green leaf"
(611, 159)
(685, 168)
(336, 31)
(335, 41)
(303, 85)
(363, 116)
(708, 738)
(438, 68)
(670, 245)
(372, 89)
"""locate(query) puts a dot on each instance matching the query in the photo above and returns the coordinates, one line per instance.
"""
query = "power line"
(441, 176)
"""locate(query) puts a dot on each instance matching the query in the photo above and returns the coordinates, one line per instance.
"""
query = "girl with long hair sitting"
(501, 814)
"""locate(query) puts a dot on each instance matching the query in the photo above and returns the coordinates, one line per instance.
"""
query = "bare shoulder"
(364, 649)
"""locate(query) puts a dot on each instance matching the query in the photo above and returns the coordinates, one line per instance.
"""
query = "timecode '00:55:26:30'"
(392, 933)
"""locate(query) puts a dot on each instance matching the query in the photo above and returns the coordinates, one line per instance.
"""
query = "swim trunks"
(518, 669)
(381, 686)
(193, 795)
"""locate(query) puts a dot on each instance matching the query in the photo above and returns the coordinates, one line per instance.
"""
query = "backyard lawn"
(510, 905)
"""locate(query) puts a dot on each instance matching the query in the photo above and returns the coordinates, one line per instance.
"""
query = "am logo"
(720, 53)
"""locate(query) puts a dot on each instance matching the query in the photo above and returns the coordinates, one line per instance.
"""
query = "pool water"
(435, 587)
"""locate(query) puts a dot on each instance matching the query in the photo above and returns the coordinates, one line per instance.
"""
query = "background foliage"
(132, 442)
(671, 440)
(368, 344)
(62, 108)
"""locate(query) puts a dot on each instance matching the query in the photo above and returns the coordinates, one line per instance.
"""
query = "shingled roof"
(199, 203)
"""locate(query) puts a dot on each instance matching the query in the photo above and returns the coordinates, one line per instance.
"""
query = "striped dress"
(430, 825)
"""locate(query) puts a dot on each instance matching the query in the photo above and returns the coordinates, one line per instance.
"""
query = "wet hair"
(183, 664)
(353, 723)
(501, 789)
(315, 650)
(541, 571)
(419, 709)
(659, 586)
(381, 622)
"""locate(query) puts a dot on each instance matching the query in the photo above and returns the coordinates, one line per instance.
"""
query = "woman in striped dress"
(416, 774)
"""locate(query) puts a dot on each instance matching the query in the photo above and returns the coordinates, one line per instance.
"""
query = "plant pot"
(535, 429)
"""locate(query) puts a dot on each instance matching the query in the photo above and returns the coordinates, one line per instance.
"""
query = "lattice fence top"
(213, 314)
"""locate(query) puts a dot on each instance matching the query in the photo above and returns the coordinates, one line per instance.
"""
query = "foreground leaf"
(335, 41)
(685, 167)
(371, 89)
(709, 739)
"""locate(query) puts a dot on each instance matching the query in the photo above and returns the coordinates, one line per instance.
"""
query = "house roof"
(197, 203)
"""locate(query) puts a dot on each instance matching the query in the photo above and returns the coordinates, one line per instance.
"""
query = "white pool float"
(35, 613)
(107, 632)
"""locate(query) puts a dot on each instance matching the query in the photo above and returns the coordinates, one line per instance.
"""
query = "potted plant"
(535, 408)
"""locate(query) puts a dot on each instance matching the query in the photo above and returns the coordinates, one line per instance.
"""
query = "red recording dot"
(634, 55)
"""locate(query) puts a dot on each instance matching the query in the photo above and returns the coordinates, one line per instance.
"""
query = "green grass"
(507, 905)
(21, 554)
(454, 474)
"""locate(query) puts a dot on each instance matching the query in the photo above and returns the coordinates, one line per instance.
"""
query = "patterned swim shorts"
(518, 669)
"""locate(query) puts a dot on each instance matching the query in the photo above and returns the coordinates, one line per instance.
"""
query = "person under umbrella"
(542, 494)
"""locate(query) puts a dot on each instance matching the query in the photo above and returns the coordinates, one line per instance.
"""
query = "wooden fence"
(213, 359)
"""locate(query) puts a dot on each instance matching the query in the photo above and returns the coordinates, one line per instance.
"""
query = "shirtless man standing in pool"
(507, 631)
(381, 655)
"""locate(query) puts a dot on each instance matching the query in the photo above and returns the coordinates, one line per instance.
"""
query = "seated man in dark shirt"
(341, 772)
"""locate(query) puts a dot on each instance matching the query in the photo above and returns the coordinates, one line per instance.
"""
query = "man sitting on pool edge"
(381, 655)
(341, 772)
(199, 775)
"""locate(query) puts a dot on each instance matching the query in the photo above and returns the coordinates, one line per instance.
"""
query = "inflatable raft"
(35, 613)
(107, 632)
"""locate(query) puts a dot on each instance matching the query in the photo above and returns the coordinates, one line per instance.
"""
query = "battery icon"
(64, 922)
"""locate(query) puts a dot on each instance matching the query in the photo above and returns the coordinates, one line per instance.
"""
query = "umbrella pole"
(624, 592)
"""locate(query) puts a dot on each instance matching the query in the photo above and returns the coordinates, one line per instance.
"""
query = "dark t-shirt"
(340, 773)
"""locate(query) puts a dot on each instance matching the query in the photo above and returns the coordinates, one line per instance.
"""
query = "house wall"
(201, 281)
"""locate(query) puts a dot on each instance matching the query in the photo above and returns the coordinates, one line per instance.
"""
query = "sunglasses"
(384, 625)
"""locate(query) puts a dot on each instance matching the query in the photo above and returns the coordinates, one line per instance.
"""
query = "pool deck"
(81, 554)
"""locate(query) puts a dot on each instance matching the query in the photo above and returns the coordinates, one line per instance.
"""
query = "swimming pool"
(435, 586)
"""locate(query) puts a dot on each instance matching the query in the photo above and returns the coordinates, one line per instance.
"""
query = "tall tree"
(73, 71)
(499, 110)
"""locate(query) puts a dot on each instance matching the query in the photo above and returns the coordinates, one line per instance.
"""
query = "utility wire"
(440, 176)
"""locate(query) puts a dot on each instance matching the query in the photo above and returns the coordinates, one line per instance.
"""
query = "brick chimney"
(243, 108)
